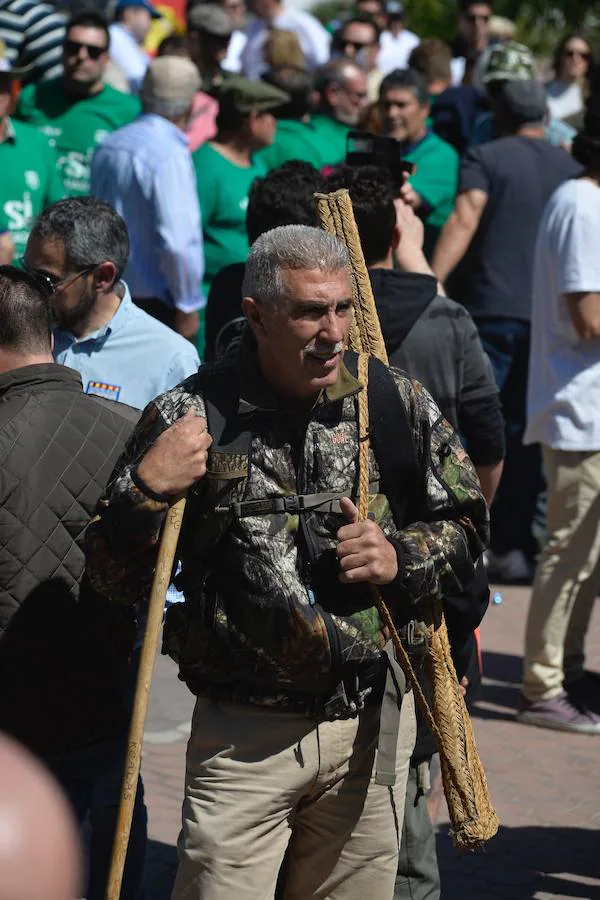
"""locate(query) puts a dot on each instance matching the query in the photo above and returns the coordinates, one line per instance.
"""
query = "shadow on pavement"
(523, 863)
(500, 688)
(502, 667)
(519, 864)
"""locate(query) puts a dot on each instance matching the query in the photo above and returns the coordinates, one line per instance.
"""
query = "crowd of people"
(157, 211)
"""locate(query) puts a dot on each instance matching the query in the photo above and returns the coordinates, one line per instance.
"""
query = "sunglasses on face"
(571, 54)
(73, 48)
(356, 45)
(478, 17)
(50, 283)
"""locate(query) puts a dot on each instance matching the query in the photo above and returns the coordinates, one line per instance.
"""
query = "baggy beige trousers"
(568, 574)
(260, 780)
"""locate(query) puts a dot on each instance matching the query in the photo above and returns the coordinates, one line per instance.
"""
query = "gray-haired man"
(278, 636)
(145, 171)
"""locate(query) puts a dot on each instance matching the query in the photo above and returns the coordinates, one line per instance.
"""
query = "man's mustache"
(320, 349)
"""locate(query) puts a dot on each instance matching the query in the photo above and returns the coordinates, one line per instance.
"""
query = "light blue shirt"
(145, 172)
(127, 54)
(132, 359)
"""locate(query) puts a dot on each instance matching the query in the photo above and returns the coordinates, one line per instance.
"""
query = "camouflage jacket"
(265, 614)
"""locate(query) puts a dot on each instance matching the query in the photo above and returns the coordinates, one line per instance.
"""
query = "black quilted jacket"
(61, 657)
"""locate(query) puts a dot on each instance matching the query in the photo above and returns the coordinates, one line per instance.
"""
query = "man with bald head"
(39, 853)
(343, 96)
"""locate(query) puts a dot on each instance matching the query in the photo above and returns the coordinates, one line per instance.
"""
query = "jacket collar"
(257, 393)
(41, 375)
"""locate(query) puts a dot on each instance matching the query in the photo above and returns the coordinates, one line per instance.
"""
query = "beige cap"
(210, 17)
(169, 79)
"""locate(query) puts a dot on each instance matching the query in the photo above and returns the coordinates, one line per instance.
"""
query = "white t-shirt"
(563, 397)
(564, 100)
(127, 54)
(394, 51)
(458, 67)
(233, 60)
(314, 40)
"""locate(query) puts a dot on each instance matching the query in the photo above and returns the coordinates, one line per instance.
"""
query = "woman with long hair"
(573, 62)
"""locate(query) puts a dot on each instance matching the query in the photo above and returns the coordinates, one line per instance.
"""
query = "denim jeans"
(507, 341)
(91, 778)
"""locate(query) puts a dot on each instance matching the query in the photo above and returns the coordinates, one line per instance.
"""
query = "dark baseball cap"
(524, 101)
(241, 95)
(143, 4)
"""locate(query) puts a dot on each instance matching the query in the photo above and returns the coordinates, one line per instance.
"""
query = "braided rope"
(472, 815)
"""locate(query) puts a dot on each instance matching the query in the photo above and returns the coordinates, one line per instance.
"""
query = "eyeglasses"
(478, 17)
(73, 48)
(357, 45)
(359, 96)
(571, 54)
(50, 283)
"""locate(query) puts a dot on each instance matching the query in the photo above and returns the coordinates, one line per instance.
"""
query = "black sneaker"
(584, 691)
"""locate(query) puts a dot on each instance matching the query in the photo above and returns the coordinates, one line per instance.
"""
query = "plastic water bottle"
(497, 599)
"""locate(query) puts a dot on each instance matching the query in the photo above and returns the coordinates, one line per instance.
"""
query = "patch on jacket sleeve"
(102, 389)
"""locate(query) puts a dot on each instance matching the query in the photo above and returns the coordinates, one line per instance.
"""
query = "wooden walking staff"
(160, 584)
(471, 813)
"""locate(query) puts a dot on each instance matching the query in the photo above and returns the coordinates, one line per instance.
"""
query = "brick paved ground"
(545, 785)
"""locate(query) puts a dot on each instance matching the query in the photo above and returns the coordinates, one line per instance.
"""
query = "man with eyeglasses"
(343, 96)
(473, 39)
(30, 179)
(358, 40)
(77, 251)
(77, 111)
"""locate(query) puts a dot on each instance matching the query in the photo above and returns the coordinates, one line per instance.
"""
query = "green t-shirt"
(295, 140)
(331, 138)
(30, 180)
(75, 127)
(223, 195)
(436, 181)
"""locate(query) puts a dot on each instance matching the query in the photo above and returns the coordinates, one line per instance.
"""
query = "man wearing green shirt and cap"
(30, 178)
(431, 190)
(78, 110)
(225, 168)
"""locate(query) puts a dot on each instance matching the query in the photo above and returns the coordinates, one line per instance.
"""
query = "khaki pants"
(568, 574)
(259, 781)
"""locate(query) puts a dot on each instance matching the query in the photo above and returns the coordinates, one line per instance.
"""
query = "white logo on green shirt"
(19, 212)
(32, 180)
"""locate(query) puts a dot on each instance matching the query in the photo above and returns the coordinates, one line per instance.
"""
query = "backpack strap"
(229, 454)
(391, 438)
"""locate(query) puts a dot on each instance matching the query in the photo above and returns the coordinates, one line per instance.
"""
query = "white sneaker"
(509, 568)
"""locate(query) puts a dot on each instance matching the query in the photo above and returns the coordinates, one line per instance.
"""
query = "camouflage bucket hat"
(508, 62)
